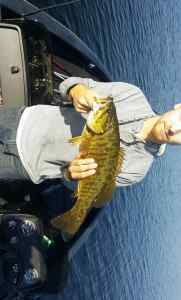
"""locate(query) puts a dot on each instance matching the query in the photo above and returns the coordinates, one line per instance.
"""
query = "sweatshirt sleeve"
(131, 103)
(119, 91)
(71, 81)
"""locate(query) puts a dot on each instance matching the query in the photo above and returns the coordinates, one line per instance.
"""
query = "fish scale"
(99, 140)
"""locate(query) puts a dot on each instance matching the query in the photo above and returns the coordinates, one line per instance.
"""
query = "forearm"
(117, 90)
(67, 84)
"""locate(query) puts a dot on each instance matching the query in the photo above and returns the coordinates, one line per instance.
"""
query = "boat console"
(35, 55)
(25, 64)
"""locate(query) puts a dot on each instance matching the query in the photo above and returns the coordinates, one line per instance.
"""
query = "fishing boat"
(37, 52)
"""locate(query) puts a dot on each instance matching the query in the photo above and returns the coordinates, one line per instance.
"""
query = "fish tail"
(71, 220)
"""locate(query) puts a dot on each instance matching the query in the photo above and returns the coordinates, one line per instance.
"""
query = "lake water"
(135, 250)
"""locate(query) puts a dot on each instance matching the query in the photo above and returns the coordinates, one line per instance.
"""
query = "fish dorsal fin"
(75, 140)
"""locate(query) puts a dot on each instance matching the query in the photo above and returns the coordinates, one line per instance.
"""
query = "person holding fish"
(108, 138)
(142, 137)
(143, 134)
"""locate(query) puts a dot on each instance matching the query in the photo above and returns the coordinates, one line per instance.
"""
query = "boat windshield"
(39, 66)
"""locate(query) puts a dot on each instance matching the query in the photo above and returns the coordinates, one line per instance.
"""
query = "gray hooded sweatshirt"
(44, 131)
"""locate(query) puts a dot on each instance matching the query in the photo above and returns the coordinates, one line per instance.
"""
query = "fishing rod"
(51, 7)
(43, 9)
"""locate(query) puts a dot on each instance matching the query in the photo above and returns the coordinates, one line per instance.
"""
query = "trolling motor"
(22, 255)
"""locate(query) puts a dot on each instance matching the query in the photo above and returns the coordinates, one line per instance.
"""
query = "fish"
(100, 140)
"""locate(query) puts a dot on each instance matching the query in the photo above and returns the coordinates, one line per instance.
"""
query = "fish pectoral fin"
(75, 140)
(105, 195)
(120, 161)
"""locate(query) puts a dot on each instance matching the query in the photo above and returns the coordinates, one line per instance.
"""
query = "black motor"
(22, 259)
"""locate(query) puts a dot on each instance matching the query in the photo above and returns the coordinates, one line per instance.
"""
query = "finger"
(82, 106)
(85, 111)
(83, 175)
(84, 161)
(86, 101)
(83, 168)
(81, 155)
(83, 102)
(90, 101)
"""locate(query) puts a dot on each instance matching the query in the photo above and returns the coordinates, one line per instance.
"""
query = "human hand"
(82, 98)
(80, 168)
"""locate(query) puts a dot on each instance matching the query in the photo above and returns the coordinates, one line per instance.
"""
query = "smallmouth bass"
(99, 140)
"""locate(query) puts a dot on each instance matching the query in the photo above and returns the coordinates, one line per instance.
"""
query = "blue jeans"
(56, 197)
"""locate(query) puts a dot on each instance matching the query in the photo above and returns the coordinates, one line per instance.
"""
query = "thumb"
(82, 154)
(90, 100)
